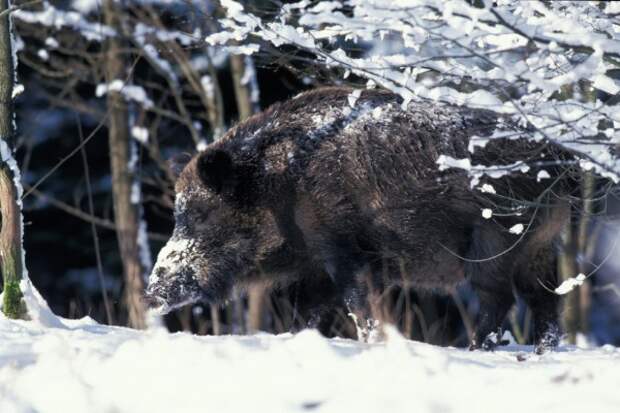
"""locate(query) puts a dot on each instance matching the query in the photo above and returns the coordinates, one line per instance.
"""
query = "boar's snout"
(171, 288)
(155, 296)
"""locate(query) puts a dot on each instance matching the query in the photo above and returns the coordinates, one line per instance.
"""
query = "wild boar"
(360, 189)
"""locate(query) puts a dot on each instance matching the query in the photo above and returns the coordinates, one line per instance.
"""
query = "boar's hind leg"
(540, 268)
(492, 285)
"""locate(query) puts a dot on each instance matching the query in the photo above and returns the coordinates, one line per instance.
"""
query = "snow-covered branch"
(547, 66)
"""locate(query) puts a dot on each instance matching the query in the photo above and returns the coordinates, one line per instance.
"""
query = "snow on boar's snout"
(173, 281)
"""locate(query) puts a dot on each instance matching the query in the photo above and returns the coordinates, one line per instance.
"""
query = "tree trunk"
(575, 260)
(567, 268)
(126, 213)
(586, 239)
(246, 94)
(215, 103)
(11, 233)
(216, 326)
(256, 308)
(588, 187)
(244, 81)
(576, 240)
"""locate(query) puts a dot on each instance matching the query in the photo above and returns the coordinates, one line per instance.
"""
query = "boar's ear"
(216, 170)
(177, 163)
(233, 180)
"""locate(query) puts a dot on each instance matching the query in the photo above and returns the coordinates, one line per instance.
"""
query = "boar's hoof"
(486, 345)
(489, 343)
(548, 341)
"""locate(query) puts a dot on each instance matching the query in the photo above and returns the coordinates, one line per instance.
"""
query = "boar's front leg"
(355, 296)
(315, 299)
(492, 282)
(350, 272)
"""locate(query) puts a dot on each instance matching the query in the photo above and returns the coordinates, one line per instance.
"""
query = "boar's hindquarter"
(329, 184)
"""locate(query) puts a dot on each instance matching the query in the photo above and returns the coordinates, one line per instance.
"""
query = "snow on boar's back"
(371, 194)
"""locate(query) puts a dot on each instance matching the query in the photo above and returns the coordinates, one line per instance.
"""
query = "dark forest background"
(60, 66)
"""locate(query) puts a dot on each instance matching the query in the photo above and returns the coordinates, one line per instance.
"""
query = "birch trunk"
(10, 234)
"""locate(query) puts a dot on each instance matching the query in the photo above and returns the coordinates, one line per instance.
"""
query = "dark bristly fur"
(319, 186)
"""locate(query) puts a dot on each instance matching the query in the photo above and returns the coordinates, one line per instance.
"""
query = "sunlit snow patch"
(542, 174)
(569, 284)
(516, 229)
(488, 189)
(140, 134)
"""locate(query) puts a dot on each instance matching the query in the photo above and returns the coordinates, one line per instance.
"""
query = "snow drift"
(82, 366)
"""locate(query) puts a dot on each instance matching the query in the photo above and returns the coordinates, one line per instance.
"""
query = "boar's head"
(220, 233)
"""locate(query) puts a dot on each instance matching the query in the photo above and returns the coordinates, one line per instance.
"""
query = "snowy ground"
(57, 365)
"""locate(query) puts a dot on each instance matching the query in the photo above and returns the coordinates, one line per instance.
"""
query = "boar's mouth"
(169, 292)
(158, 306)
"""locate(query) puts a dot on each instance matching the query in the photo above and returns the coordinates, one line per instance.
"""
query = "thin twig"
(19, 6)
(84, 142)
(91, 210)
(591, 273)
(84, 216)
